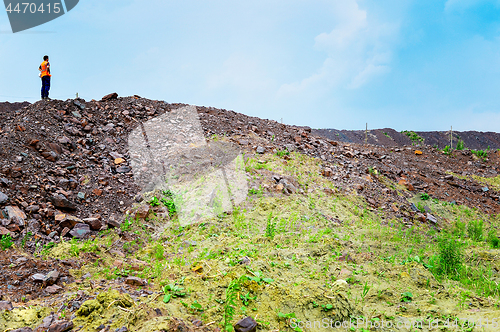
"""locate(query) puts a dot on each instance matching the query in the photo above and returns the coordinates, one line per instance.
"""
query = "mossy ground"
(296, 252)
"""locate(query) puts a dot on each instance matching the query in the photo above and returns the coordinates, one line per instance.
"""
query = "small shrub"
(6, 242)
(475, 230)
(449, 260)
(158, 251)
(447, 150)
(424, 196)
(154, 201)
(460, 145)
(168, 201)
(493, 239)
(480, 153)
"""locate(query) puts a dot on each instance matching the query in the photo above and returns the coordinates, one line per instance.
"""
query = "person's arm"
(48, 67)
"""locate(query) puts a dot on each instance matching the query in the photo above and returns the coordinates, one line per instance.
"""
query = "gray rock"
(414, 207)
(20, 260)
(135, 281)
(80, 231)
(123, 169)
(5, 305)
(16, 215)
(115, 155)
(94, 223)
(60, 326)
(247, 324)
(62, 202)
(260, 149)
(3, 198)
(23, 329)
(53, 289)
(288, 187)
(51, 278)
(431, 218)
(38, 277)
(33, 208)
(244, 261)
(122, 329)
(79, 104)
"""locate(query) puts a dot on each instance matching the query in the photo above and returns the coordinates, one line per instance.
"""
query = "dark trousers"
(45, 86)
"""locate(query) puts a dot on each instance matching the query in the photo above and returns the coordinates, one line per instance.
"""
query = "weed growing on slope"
(172, 291)
(449, 259)
(475, 230)
(480, 154)
(270, 226)
(447, 150)
(282, 153)
(458, 229)
(230, 303)
(168, 201)
(493, 239)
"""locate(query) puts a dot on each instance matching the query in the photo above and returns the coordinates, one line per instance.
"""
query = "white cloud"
(358, 50)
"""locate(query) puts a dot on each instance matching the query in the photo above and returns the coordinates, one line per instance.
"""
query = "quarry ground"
(376, 238)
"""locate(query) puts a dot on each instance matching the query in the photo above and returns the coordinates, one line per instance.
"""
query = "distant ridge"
(389, 137)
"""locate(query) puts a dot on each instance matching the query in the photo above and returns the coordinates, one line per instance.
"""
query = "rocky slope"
(65, 175)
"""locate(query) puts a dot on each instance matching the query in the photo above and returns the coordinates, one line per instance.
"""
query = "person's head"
(45, 58)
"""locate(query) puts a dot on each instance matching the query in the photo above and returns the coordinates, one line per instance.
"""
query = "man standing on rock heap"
(45, 75)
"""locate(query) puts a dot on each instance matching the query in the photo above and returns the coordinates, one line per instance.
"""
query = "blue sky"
(417, 65)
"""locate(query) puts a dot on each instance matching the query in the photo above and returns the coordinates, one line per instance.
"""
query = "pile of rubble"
(64, 165)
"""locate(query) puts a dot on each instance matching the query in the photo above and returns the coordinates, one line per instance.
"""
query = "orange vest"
(45, 69)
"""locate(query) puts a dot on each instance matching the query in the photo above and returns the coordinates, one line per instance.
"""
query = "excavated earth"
(65, 173)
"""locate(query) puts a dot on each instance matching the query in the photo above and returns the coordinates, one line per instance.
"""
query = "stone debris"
(135, 281)
(247, 324)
